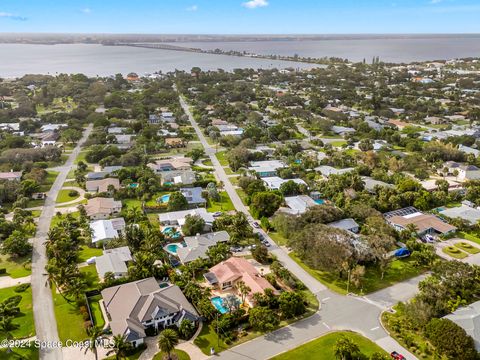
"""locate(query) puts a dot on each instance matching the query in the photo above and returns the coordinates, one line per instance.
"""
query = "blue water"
(172, 248)
(133, 185)
(218, 303)
(168, 183)
(164, 198)
(170, 231)
(320, 201)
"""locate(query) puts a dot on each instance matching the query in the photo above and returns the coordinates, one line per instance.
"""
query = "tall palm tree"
(120, 347)
(167, 341)
(345, 349)
(95, 334)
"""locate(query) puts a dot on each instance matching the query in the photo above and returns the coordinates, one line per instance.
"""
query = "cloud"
(253, 4)
(192, 8)
(86, 10)
(12, 16)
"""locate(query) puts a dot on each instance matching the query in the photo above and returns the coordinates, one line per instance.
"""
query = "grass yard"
(87, 252)
(207, 162)
(91, 276)
(97, 315)
(399, 270)
(50, 179)
(35, 203)
(81, 157)
(234, 180)
(16, 267)
(68, 313)
(24, 321)
(64, 196)
(469, 248)
(36, 213)
(470, 236)
(323, 347)
(338, 143)
(181, 355)
(56, 219)
(279, 239)
(135, 354)
(222, 157)
(20, 354)
(242, 195)
(208, 338)
(454, 252)
(229, 171)
(132, 203)
(225, 204)
(154, 220)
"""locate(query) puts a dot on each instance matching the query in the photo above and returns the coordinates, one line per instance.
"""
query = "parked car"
(255, 225)
(396, 356)
(91, 260)
(236, 249)
(217, 214)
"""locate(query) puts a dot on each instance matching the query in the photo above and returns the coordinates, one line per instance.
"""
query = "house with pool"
(224, 276)
(175, 219)
(196, 247)
(142, 307)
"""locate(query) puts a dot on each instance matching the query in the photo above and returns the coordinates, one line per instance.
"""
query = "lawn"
(56, 219)
(242, 195)
(20, 354)
(87, 252)
(16, 267)
(470, 236)
(64, 196)
(225, 204)
(234, 180)
(35, 203)
(154, 220)
(68, 313)
(50, 179)
(222, 158)
(181, 355)
(468, 248)
(454, 252)
(207, 162)
(132, 203)
(279, 239)
(24, 321)
(229, 171)
(91, 276)
(97, 315)
(399, 270)
(323, 347)
(81, 157)
(208, 338)
(338, 143)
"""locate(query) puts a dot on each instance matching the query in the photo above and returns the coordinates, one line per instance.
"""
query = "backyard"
(88, 252)
(323, 347)
(64, 196)
(225, 204)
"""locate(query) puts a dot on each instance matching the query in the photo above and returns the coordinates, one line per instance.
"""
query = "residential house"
(400, 125)
(106, 230)
(468, 318)
(424, 223)
(175, 142)
(176, 163)
(327, 171)
(140, 305)
(372, 184)
(346, 224)
(102, 185)
(101, 208)
(116, 130)
(194, 196)
(274, 182)
(124, 141)
(266, 168)
(228, 273)
(342, 130)
(52, 127)
(114, 261)
(176, 177)
(469, 150)
(177, 218)
(196, 246)
(11, 176)
(464, 212)
(297, 205)
(167, 117)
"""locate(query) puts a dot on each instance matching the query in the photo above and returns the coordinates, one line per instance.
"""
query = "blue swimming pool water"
(165, 198)
(168, 183)
(172, 248)
(170, 231)
(133, 185)
(218, 303)
(320, 201)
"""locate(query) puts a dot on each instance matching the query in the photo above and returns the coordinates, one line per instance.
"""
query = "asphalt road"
(45, 323)
(337, 312)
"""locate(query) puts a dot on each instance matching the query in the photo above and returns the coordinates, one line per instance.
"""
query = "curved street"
(337, 312)
(45, 322)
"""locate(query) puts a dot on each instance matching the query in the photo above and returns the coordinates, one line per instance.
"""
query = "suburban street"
(337, 312)
(45, 323)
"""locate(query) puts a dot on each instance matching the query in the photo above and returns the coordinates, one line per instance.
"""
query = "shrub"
(3, 271)
(21, 288)
(73, 193)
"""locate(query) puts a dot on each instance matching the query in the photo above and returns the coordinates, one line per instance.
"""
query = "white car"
(92, 260)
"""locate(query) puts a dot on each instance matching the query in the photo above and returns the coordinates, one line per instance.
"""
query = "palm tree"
(120, 347)
(95, 334)
(7, 325)
(345, 349)
(167, 341)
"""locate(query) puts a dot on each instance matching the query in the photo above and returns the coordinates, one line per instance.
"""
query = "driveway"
(337, 312)
(7, 281)
(45, 323)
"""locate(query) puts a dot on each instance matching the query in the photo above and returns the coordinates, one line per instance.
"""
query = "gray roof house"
(468, 318)
(193, 195)
(327, 170)
(114, 261)
(197, 246)
(185, 177)
(346, 224)
(297, 205)
(177, 218)
(464, 212)
(136, 306)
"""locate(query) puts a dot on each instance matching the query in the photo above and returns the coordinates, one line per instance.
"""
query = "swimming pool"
(320, 201)
(171, 232)
(218, 303)
(172, 248)
(164, 199)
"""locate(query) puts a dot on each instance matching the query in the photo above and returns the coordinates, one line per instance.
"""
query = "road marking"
(325, 299)
(375, 328)
(328, 327)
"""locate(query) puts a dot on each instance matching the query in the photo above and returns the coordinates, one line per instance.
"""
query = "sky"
(241, 16)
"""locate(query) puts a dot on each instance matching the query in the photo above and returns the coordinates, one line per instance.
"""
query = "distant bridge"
(159, 46)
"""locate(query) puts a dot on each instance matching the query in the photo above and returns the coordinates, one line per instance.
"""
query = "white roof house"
(267, 167)
(177, 218)
(274, 182)
(104, 230)
(464, 212)
(468, 318)
(326, 170)
(469, 150)
(298, 204)
(114, 261)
